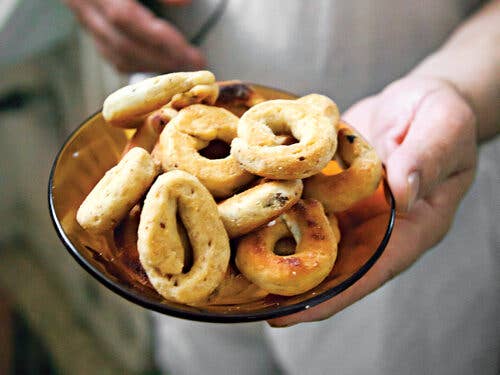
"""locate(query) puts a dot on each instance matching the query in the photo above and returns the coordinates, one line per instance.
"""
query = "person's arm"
(471, 61)
(425, 127)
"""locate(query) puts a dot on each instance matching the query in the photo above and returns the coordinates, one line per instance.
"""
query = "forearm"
(470, 60)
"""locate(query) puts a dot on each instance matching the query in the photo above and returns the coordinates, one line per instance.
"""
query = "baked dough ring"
(127, 106)
(118, 191)
(256, 146)
(206, 94)
(235, 289)
(323, 105)
(293, 274)
(159, 245)
(258, 205)
(334, 224)
(146, 136)
(340, 191)
(237, 96)
(192, 130)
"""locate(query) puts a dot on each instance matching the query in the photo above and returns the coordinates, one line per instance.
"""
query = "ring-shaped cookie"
(340, 191)
(191, 131)
(287, 245)
(113, 197)
(237, 96)
(258, 205)
(288, 275)
(199, 94)
(323, 104)
(127, 106)
(256, 145)
(160, 246)
(147, 134)
(235, 289)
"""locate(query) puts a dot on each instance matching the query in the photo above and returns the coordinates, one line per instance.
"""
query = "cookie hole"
(285, 246)
(351, 138)
(186, 245)
(285, 139)
(216, 149)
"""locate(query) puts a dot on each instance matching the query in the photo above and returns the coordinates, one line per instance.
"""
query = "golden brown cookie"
(147, 134)
(340, 191)
(127, 106)
(160, 247)
(237, 96)
(118, 191)
(191, 131)
(258, 205)
(256, 145)
(199, 94)
(288, 275)
(235, 289)
(323, 105)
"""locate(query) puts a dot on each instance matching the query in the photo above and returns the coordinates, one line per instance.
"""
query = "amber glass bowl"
(94, 147)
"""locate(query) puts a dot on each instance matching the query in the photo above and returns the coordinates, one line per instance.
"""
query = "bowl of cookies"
(220, 201)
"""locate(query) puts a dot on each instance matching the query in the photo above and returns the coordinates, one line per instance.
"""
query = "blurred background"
(54, 319)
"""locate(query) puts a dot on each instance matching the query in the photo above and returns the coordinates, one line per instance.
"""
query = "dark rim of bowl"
(204, 316)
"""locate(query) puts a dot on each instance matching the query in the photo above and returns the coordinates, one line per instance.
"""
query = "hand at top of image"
(133, 39)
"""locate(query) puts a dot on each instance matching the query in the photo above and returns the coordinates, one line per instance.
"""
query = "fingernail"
(413, 185)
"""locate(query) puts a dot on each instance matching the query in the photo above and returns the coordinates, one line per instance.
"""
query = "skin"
(133, 39)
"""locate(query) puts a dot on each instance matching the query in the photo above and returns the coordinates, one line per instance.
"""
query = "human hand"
(425, 133)
(133, 39)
